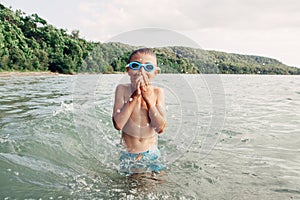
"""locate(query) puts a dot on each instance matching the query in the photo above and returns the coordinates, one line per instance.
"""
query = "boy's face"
(143, 59)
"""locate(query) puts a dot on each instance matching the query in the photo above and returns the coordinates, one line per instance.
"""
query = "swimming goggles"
(149, 67)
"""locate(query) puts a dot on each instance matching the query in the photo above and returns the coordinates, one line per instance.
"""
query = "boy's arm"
(122, 110)
(157, 112)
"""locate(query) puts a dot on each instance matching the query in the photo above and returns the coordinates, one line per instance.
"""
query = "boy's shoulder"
(123, 89)
(158, 90)
(123, 86)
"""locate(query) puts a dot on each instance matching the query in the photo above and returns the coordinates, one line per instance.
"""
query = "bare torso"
(138, 134)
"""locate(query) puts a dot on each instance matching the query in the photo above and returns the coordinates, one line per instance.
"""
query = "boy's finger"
(144, 89)
(138, 88)
(142, 82)
(138, 84)
(146, 80)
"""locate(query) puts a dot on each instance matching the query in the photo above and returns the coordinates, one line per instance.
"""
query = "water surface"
(57, 140)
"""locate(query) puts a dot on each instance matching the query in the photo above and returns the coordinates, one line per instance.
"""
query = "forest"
(29, 43)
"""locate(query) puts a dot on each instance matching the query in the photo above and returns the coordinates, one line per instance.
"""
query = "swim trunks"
(148, 161)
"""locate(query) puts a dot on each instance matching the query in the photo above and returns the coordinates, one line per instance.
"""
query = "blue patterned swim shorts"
(148, 161)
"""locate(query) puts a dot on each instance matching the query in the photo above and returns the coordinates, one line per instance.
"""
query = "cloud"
(116, 16)
(244, 14)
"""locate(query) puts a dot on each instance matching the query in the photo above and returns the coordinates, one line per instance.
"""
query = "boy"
(139, 111)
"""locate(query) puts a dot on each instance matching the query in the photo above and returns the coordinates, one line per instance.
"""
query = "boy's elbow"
(160, 131)
(116, 125)
(161, 128)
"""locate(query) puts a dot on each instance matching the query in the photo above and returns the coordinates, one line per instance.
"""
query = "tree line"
(29, 43)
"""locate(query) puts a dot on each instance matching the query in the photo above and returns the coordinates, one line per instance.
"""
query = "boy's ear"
(156, 70)
(127, 69)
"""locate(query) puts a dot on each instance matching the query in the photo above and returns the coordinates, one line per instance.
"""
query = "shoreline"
(44, 73)
(47, 73)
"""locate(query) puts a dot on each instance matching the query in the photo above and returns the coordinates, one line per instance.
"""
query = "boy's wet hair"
(146, 51)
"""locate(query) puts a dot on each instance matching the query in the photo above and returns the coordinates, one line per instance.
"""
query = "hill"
(29, 43)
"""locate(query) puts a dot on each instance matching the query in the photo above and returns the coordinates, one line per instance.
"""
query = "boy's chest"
(141, 106)
(141, 109)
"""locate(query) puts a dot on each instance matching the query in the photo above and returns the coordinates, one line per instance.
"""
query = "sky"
(268, 28)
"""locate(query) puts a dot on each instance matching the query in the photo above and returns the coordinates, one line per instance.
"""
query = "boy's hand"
(148, 95)
(137, 85)
(145, 82)
(147, 90)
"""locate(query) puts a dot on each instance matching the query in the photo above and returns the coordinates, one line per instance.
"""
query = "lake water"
(227, 137)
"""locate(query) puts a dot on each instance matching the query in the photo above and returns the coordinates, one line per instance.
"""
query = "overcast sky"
(258, 27)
